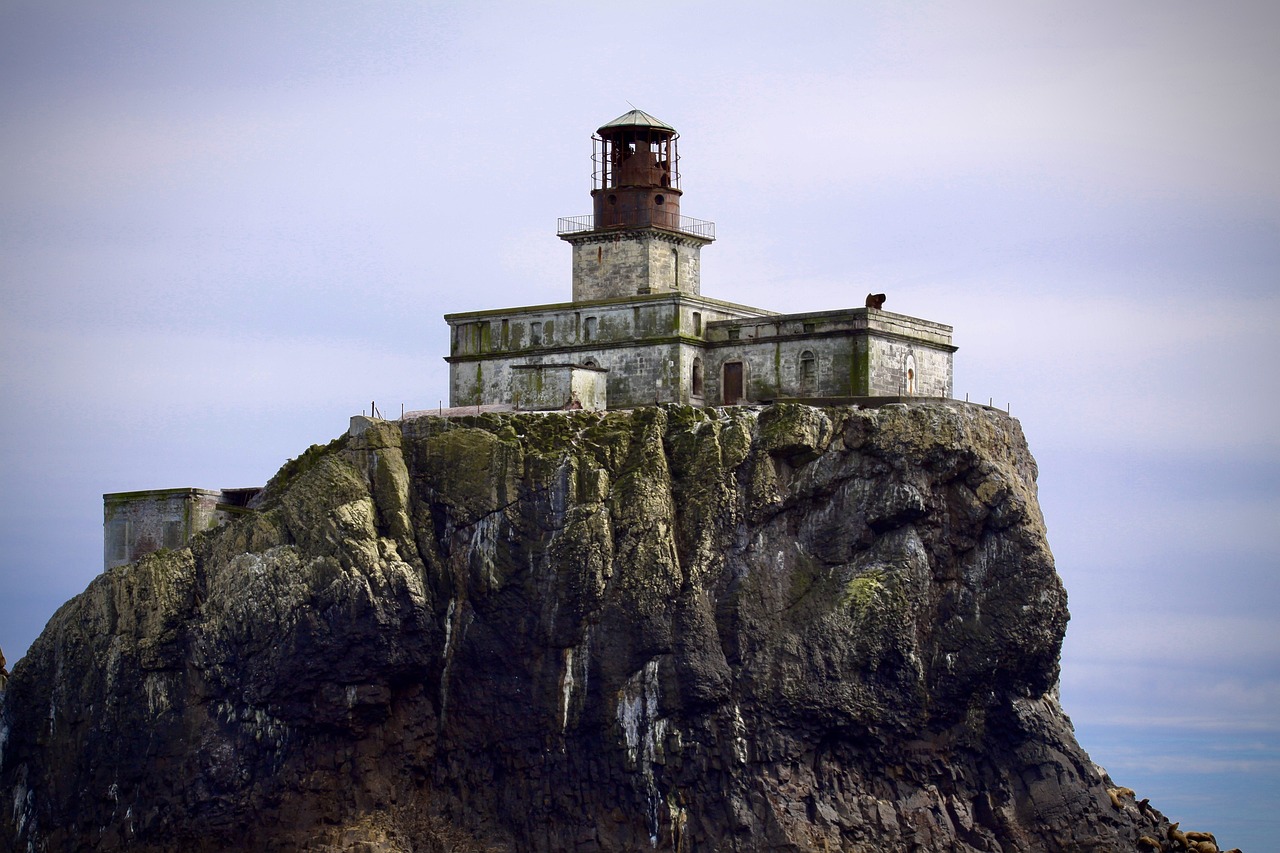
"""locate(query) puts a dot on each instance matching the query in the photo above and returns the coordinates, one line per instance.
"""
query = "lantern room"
(636, 178)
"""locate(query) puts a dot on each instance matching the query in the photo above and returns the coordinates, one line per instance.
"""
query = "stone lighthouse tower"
(635, 242)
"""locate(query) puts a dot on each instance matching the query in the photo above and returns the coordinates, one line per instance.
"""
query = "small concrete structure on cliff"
(639, 331)
(135, 524)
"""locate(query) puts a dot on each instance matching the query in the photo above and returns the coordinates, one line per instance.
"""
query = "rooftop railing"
(638, 219)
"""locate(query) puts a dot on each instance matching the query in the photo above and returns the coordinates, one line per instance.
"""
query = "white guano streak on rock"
(643, 732)
(450, 643)
(448, 658)
(566, 689)
(448, 628)
(157, 690)
(484, 548)
(23, 800)
(739, 735)
(574, 678)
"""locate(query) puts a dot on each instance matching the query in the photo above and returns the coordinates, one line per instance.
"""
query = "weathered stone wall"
(138, 523)
(773, 367)
(644, 343)
(589, 388)
(638, 375)
(892, 357)
(548, 387)
(566, 325)
(782, 629)
(649, 345)
(626, 263)
(852, 353)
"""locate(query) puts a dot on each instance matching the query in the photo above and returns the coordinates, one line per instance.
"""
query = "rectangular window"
(535, 333)
(735, 333)
(117, 540)
(697, 323)
(173, 534)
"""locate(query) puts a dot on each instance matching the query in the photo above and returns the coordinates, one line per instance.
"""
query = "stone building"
(638, 329)
(135, 524)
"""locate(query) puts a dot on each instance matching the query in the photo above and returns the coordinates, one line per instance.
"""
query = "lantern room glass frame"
(607, 148)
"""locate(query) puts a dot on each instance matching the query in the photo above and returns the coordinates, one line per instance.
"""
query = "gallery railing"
(637, 219)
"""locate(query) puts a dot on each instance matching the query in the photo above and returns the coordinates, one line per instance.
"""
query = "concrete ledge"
(615, 301)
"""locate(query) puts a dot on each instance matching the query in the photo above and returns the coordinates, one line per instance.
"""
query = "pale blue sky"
(226, 227)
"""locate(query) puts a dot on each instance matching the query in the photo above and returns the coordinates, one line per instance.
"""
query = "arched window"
(589, 329)
(696, 384)
(909, 376)
(808, 372)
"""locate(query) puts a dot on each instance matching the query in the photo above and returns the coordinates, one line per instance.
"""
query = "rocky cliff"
(786, 628)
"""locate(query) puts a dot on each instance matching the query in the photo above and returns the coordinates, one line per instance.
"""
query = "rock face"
(677, 629)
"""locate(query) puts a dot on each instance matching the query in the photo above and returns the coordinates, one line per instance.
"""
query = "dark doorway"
(732, 388)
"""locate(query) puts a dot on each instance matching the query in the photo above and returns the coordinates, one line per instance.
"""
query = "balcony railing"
(638, 219)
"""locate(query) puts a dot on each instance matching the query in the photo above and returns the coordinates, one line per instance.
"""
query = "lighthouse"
(635, 241)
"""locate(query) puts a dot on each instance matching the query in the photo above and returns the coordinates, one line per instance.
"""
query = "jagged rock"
(669, 628)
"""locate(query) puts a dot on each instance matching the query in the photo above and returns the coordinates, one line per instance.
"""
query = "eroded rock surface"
(737, 630)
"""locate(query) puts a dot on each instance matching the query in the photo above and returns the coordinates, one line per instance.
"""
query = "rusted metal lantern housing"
(636, 177)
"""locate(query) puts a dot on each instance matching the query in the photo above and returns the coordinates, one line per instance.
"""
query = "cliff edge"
(786, 629)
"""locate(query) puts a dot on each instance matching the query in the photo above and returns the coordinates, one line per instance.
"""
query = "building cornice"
(612, 302)
(869, 316)
(833, 333)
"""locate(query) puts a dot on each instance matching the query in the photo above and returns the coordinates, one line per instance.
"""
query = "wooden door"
(732, 386)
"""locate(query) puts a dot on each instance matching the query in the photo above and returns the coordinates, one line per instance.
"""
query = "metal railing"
(655, 219)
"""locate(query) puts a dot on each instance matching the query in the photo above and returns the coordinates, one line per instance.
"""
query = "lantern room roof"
(637, 118)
